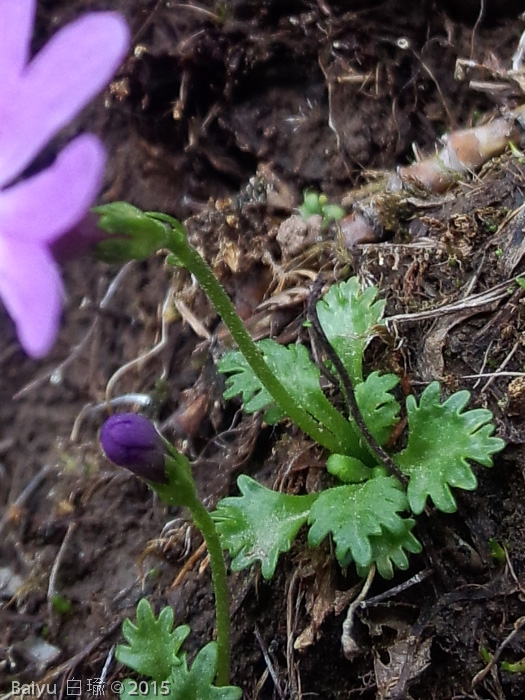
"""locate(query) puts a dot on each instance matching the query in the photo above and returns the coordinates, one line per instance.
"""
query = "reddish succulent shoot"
(132, 441)
(38, 98)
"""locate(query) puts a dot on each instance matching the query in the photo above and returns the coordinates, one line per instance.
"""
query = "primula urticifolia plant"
(368, 512)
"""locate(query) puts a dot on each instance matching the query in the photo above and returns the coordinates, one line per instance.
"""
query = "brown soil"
(222, 115)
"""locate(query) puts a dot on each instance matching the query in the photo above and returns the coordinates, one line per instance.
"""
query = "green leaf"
(380, 411)
(348, 469)
(189, 684)
(311, 204)
(196, 684)
(379, 408)
(298, 374)
(332, 212)
(441, 439)
(153, 644)
(348, 316)
(132, 691)
(355, 513)
(260, 524)
(389, 550)
(244, 382)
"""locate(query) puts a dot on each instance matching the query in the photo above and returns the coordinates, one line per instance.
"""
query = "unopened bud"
(133, 234)
(132, 441)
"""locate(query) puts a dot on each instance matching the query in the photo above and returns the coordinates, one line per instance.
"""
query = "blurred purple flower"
(131, 441)
(38, 98)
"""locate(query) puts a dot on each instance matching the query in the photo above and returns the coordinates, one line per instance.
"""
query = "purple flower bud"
(132, 441)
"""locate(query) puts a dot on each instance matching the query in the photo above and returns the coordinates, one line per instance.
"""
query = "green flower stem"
(181, 491)
(189, 258)
(204, 522)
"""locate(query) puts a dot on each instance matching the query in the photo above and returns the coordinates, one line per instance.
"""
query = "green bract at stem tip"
(180, 489)
(133, 234)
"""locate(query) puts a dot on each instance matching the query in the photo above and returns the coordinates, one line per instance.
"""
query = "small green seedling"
(519, 155)
(497, 551)
(315, 203)
(485, 654)
(517, 667)
(61, 604)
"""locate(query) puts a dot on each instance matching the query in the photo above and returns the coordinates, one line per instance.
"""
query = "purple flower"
(132, 441)
(38, 98)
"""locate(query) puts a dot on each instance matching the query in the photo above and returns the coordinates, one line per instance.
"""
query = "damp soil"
(222, 115)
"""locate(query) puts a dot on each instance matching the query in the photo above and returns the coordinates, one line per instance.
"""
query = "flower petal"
(45, 206)
(76, 64)
(16, 25)
(31, 289)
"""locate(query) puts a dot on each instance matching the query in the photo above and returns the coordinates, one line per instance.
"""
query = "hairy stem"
(181, 491)
(189, 258)
(204, 522)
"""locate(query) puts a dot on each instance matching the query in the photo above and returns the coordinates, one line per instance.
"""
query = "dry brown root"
(464, 151)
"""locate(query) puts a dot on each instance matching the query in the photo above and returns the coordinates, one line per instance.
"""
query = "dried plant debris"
(408, 658)
(376, 207)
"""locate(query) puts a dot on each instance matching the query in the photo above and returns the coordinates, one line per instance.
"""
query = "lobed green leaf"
(242, 381)
(153, 644)
(379, 408)
(355, 513)
(189, 684)
(348, 316)
(389, 550)
(260, 524)
(441, 439)
(298, 374)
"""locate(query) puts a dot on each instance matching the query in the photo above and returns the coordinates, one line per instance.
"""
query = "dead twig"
(510, 568)
(55, 375)
(350, 646)
(474, 301)
(188, 565)
(26, 493)
(291, 621)
(502, 366)
(386, 595)
(269, 664)
(52, 587)
(152, 352)
(318, 336)
(92, 409)
(494, 375)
